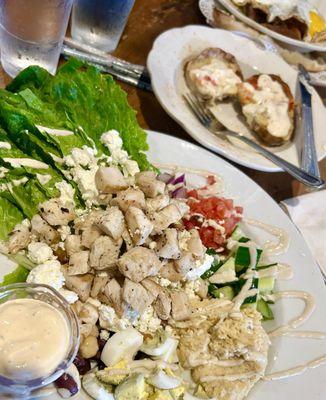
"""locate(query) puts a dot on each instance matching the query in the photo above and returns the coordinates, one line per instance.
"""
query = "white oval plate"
(299, 44)
(285, 352)
(207, 8)
(165, 64)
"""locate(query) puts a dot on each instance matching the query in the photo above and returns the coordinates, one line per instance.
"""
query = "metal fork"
(209, 121)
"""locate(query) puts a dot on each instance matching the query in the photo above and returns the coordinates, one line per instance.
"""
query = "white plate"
(207, 9)
(299, 44)
(286, 352)
(165, 64)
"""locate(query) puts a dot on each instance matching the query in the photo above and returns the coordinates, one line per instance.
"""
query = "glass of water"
(100, 23)
(32, 32)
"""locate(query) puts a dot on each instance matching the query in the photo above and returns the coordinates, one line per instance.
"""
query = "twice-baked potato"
(213, 75)
(268, 106)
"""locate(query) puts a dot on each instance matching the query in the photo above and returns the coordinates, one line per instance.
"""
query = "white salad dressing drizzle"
(26, 162)
(5, 145)
(54, 132)
(272, 248)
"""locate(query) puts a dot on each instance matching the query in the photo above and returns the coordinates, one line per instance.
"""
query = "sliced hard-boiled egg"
(317, 24)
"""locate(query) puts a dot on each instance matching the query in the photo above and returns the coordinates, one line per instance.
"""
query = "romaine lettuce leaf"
(20, 274)
(10, 216)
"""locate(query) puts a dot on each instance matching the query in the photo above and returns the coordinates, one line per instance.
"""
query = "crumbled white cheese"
(109, 319)
(148, 321)
(64, 231)
(104, 334)
(39, 252)
(67, 192)
(69, 295)
(183, 237)
(113, 142)
(43, 179)
(167, 283)
(48, 273)
(192, 288)
(82, 167)
(198, 271)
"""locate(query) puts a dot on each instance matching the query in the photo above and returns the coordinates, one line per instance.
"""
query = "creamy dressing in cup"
(39, 338)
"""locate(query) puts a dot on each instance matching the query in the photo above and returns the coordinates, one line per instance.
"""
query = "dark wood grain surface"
(148, 19)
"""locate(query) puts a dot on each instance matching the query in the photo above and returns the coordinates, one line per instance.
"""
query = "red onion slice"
(165, 177)
(179, 193)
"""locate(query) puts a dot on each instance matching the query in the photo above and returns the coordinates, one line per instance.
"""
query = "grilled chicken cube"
(137, 296)
(157, 203)
(168, 271)
(127, 239)
(140, 227)
(44, 231)
(88, 314)
(153, 287)
(81, 284)
(185, 263)
(149, 184)
(89, 235)
(169, 215)
(87, 220)
(112, 222)
(138, 263)
(110, 180)
(195, 245)
(78, 263)
(180, 306)
(162, 305)
(19, 238)
(168, 244)
(104, 253)
(98, 285)
(113, 292)
(73, 244)
(130, 197)
(56, 213)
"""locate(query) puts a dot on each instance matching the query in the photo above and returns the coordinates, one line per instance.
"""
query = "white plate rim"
(294, 42)
(152, 65)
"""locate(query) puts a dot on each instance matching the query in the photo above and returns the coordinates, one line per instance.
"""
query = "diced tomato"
(219, 209)
(211, 180)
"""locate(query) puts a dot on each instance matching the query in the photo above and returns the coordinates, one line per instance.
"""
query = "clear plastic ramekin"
(22, 388)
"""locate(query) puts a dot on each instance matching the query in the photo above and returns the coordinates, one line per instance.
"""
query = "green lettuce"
(20, 274)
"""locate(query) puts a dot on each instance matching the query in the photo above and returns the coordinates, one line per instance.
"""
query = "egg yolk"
(317, 24)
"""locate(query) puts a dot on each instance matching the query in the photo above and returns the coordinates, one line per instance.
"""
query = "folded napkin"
(308, 213)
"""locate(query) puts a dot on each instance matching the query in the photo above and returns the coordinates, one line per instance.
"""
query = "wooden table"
(149, 18)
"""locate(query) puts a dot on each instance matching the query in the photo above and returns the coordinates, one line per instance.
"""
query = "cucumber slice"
(237, 235)
(266, 284)
(242, 258)
(265, 310)
(225, 273)
(225, 292)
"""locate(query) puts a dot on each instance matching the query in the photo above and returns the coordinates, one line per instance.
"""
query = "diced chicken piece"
(185, 263)
(99, 284)
(104, 253)
(139, 263)
(73, 244)
(88, 314)
(44, 231)
(104, 199)
(89, 235)
(127, 239)
(169, 215)
(169, 272)
(162, 305)
(202, 290)
(168, 244)
(180, 306)
(81, 284)
(137, 296)
(152, 287)
(87, 220)
(110, 180)
(157, 203)
(78, 263)
(195, 245)
(149, 184)
(140, 227)
(56, 213)
(130, 197)
(112, 222)
(113, 292)
(19, 238)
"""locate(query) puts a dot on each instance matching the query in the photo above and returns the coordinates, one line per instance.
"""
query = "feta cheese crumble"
(197, 272)
(39, 252)
(47, 273)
